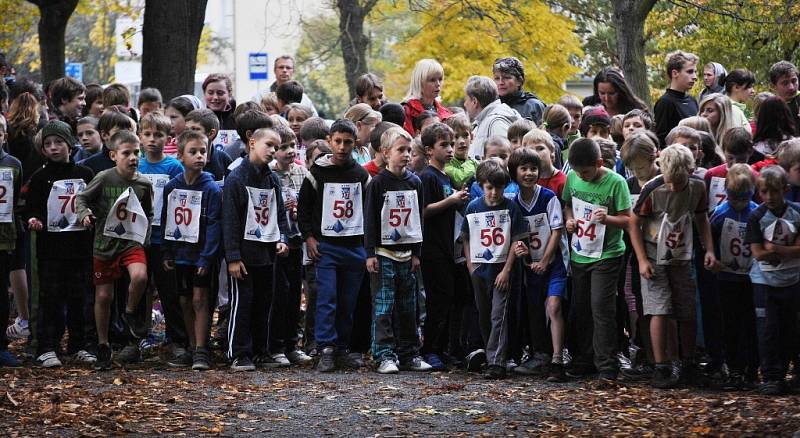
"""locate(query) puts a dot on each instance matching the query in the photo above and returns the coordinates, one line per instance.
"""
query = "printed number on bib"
(781, 232)
(126, 219)
(734, 254)
(6, 195)
(674, 241)
(539, 229)
(342, 211)
(589, 234)
(400, 219)
(61, 213)
(489, 235)
(716, 192)
(184, 208)
(261, 224)
(159, 181)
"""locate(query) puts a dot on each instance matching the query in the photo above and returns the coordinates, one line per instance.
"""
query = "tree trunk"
(53, 18)
(354, 42)
(629, 18)
(170, 37)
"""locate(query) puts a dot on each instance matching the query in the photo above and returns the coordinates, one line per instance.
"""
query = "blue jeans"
(339, 273)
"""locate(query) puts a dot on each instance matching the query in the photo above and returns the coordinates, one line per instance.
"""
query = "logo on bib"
(490, 222)
(182, 199)
(345, 192)
(487, 255)
(70, 188)
(119, 229)
(401, 200)
(587, 214)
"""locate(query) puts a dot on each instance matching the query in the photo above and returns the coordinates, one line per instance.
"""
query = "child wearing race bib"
(541, 142)
(393, 240)
(493, 228)
(546, 275)
(289, 270)
(331, 219)
(596, 208)
(191, 216)
(205, 121)
(661, 235)
(737, 144)
(693, 139)
(159, 168)
(118, 202)
(255, 232)
(734, 261)
(63, 246)
(772, 232)
(496, 148)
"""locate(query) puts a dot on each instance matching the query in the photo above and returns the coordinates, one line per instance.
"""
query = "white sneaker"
(298, 357)
(281, 360)
(48, 360)
(18, 330)
(388, 366)
(84, 356)
(417, 364)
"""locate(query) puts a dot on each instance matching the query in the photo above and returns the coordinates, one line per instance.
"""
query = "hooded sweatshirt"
(494, 119)
(384, 182)
(717, 86)
(311, 197)
(204, 253)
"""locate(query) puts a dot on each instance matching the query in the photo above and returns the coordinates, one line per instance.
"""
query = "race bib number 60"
(184, 208)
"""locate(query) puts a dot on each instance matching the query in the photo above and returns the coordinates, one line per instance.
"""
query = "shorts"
(187, 279)
(110, 270)
(671, 291)
(18, 254)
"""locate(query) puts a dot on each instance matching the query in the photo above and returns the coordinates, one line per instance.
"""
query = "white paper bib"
(539, 235)
(674, 241)
(716, 193)
(6, 195)
(61, 214)
(159, 181)
(589, 234)
(489, 236)
(184, 208)
(781, 232)
(342, 210)
(400, 219)
(261, 223)
(735, 255)
(126, 219)
(290, 194)
(225, 138)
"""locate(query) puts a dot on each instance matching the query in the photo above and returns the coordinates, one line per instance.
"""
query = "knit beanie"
(595, 116)
(60, 129)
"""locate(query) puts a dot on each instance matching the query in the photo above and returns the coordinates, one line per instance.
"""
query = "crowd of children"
(600, 240)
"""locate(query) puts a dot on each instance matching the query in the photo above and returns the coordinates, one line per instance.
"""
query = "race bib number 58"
(342, 210)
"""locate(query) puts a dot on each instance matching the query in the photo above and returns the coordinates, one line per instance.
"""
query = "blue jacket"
(235, 202)
(205, 252)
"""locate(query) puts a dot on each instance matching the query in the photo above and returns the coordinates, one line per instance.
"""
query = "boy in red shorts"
(119, 203)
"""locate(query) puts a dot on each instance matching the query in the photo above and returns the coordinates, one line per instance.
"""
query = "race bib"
(539, 235)
(400, 219)
(61, 214)
(489, 236)
(6, 195)
(126, 219)
(716, 193)
(735, 255)
(458, 241)
(589, 234)
(261, 223)
(159, 181)
(225, 138)
(780, 232)
(291, 195)
(342, 211)
(184, 208)
(674, 242)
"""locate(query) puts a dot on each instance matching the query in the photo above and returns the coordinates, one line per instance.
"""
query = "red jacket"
(414, 108)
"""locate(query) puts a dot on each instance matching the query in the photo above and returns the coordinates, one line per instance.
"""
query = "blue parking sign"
(74, 70)
(258, 65)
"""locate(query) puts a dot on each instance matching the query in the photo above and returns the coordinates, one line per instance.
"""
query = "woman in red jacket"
(423, 92)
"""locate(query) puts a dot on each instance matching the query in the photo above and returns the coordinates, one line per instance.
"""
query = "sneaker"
(495, 372)
(452, 361)
(200, 360)
(416, 364)
(435, 363)
(555, 373)
(130, 354)
(388, 366)
(475, 360)
(350, 361)
(281, 360)
(84, 356)
(48, 360)
(265, 361)
(132, 324)
(104, 355)
(623, 361)
(18, 330)
(734, 382)
(181, 358)
(639, 373)
(243, 364)
(772, 387)
(663, 377)
(510, 365)
(579, 371)
(608, 375)
(298, 357)
(327, 362)
(535, 366)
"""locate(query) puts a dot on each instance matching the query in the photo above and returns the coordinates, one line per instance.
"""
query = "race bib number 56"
(489, 234)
